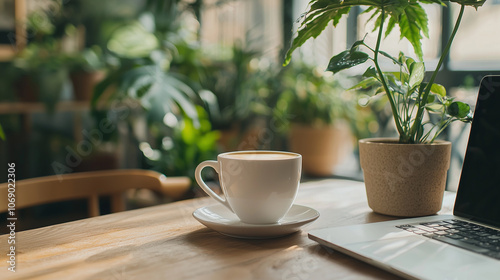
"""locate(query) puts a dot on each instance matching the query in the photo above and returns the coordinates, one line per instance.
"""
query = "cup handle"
(201, 183)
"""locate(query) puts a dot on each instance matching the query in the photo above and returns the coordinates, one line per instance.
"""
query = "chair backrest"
(91, 185)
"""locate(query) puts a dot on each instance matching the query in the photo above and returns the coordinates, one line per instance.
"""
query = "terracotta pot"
(406, 180)
(84, 83)
(322, 148)
(254, 137)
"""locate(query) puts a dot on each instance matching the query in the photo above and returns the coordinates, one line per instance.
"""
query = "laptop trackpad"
(428, 257)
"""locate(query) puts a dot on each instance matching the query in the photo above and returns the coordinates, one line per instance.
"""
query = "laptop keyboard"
(469, 236)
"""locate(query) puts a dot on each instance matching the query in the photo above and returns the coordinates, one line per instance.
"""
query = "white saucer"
(221, 219)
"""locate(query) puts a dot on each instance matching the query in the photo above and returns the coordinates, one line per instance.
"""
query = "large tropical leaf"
(413, 26)
(315, 21)
(132, 40)
(409, 15)
(154, 88)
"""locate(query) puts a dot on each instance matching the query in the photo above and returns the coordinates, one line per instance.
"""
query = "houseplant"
(43, 74)
(153, 67)
(318, 113)
(178, 145)
(143, 50)
(86, 71)
(41, 63)
(409, 183)
(230, 96)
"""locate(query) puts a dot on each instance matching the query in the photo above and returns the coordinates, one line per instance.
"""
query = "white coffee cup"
(258, 186)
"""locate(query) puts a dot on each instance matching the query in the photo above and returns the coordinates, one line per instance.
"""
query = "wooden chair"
(91, 185)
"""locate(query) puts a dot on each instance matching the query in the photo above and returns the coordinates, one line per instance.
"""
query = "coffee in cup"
(258, 186)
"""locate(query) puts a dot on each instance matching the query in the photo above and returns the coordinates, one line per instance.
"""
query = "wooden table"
(166, 242)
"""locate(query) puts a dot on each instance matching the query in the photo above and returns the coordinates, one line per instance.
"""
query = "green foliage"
(158, 66)
(408, 94)
(46, 69)
(408, 89)
(409, 15)
(179, 148)
(144, 50)
(231, 88)
(88, 60)
(310, 97)
(346, 60)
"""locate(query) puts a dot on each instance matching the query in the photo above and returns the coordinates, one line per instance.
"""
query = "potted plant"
(231, 92)
(43, 74)
(86, 71)
(405, 176)
(319, 113)
(169, 131)
(143, 52)
(178, 146)
(41, 64)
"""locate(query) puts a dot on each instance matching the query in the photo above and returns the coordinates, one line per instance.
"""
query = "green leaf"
(366, 83)
(371, 72)
(379, 90)
(188, 132)
(132, 40)
(417, 13)
(180, 98)
(208, 141)
(409, 62)
(431, 98)
(433, 2)
(412, 23)
(417, 72)
(356, 45)
(434, 107)
(376, 14)
(395, 84)
(472, 3)
(315, 21)
(377, 22)
(458, 109)
(390, 25)
(345, 60)
(438, 89)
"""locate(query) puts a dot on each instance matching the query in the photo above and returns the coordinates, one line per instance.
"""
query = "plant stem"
(395, 112)
(445, 125)
(418, 118)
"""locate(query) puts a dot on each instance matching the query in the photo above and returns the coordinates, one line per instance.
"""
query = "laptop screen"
(478, 196)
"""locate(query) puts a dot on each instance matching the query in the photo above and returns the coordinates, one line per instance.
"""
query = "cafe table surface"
(166, 242)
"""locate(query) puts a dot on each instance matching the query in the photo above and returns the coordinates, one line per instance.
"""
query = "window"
(476, 45)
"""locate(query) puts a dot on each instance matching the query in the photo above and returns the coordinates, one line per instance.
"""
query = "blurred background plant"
(156, 63)
(180, 144)
(142, 64)
(322, 118)
(41, 65)
(144, 49)
(311, 97)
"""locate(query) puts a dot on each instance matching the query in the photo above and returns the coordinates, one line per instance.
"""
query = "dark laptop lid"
(478, 196)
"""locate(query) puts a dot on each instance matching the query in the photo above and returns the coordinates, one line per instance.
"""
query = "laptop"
(465, 245)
